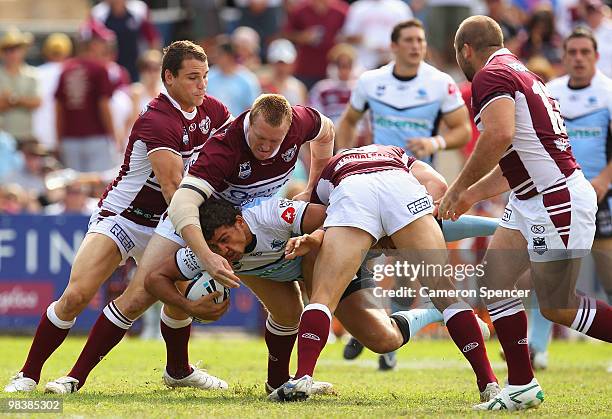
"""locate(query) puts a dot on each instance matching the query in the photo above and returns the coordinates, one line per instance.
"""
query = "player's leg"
(334, 269)
(283, 301)
(423, 240)
(176, 330)
(119, 315)
(97, 258)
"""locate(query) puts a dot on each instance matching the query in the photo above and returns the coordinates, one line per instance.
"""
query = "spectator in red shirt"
(84, 122)
(313, 25)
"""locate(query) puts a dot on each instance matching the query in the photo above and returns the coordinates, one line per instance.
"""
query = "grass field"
(432, 379)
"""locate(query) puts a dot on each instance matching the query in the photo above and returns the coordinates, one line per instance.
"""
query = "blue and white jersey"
(272, 222)
(587, 112)
(403, 109)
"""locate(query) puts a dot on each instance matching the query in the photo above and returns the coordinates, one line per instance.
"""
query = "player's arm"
(347, 128)
(433, 181)
(601, 182)
(458, 135)
(498, 119)
(168, 168)
(183, 211)
(321, 150)
(312, 234)
(160, 284)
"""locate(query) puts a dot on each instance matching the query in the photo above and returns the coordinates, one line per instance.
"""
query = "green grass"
(433, 378)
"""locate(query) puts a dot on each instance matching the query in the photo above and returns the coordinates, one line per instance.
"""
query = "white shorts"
(165, 228)
(559, 224)
(380, 203)
(130, 238)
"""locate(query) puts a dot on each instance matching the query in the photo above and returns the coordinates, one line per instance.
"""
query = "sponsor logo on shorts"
(507, 214)
(312, 336)
(470, 346)
(289, 215)
(539, 245)
(244, 171)
(522, 341)
(537, 229)
(419, 205)
(124, 239)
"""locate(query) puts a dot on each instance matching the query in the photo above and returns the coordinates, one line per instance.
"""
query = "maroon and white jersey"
(230, 170)
(135, 194)
(540, 156)
(331, 97)
(356, 161)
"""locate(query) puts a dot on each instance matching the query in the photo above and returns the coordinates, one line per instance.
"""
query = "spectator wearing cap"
(597, 17)
(85, 130)
(19, 87)
(230, 82)
(313, 26)
(130, 21)
(280, 79)
(30, 175)
(74, 200)
(56, 48)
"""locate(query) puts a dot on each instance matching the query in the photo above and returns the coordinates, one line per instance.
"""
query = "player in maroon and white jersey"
(372, 192)
(524, 147)
(165, 137)
(253, 158)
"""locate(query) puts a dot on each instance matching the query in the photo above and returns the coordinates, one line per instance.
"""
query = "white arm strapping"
(184, 206)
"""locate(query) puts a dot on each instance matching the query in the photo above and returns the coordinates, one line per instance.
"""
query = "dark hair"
(215, 213)
(176, 52)
(581, 32)
(412, 23)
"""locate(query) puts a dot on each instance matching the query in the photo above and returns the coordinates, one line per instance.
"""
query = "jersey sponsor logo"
(421, 93)
(289, 154)
(289, 215)
(539, 245)
(311, 336)
(205, 125)
(469, 347)
(124, 239)
(402, 123)
(185, 136)
(192, 127)
(244, 170)
(277, 244)
(585, 132)
(238, 196)
(419, 205)
(522, 341)
(452, 88)
(380, 90)
(537, 229)
(507, 214)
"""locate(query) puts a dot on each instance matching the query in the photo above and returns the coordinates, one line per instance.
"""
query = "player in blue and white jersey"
(407, 100)
(585, 96)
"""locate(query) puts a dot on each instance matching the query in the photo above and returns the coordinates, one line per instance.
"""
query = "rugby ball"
(204, 284)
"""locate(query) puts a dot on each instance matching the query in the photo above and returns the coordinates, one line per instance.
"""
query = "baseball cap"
(281, 50)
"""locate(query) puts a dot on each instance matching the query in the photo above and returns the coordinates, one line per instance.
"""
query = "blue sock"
(418, 318)
(539, 330)
(468, 226)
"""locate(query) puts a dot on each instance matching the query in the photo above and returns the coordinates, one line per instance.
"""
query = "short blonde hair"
(275, 109)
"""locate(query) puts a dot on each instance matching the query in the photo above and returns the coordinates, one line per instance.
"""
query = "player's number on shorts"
(553, 111)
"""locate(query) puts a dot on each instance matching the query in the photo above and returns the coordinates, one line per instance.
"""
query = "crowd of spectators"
(64, 124)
